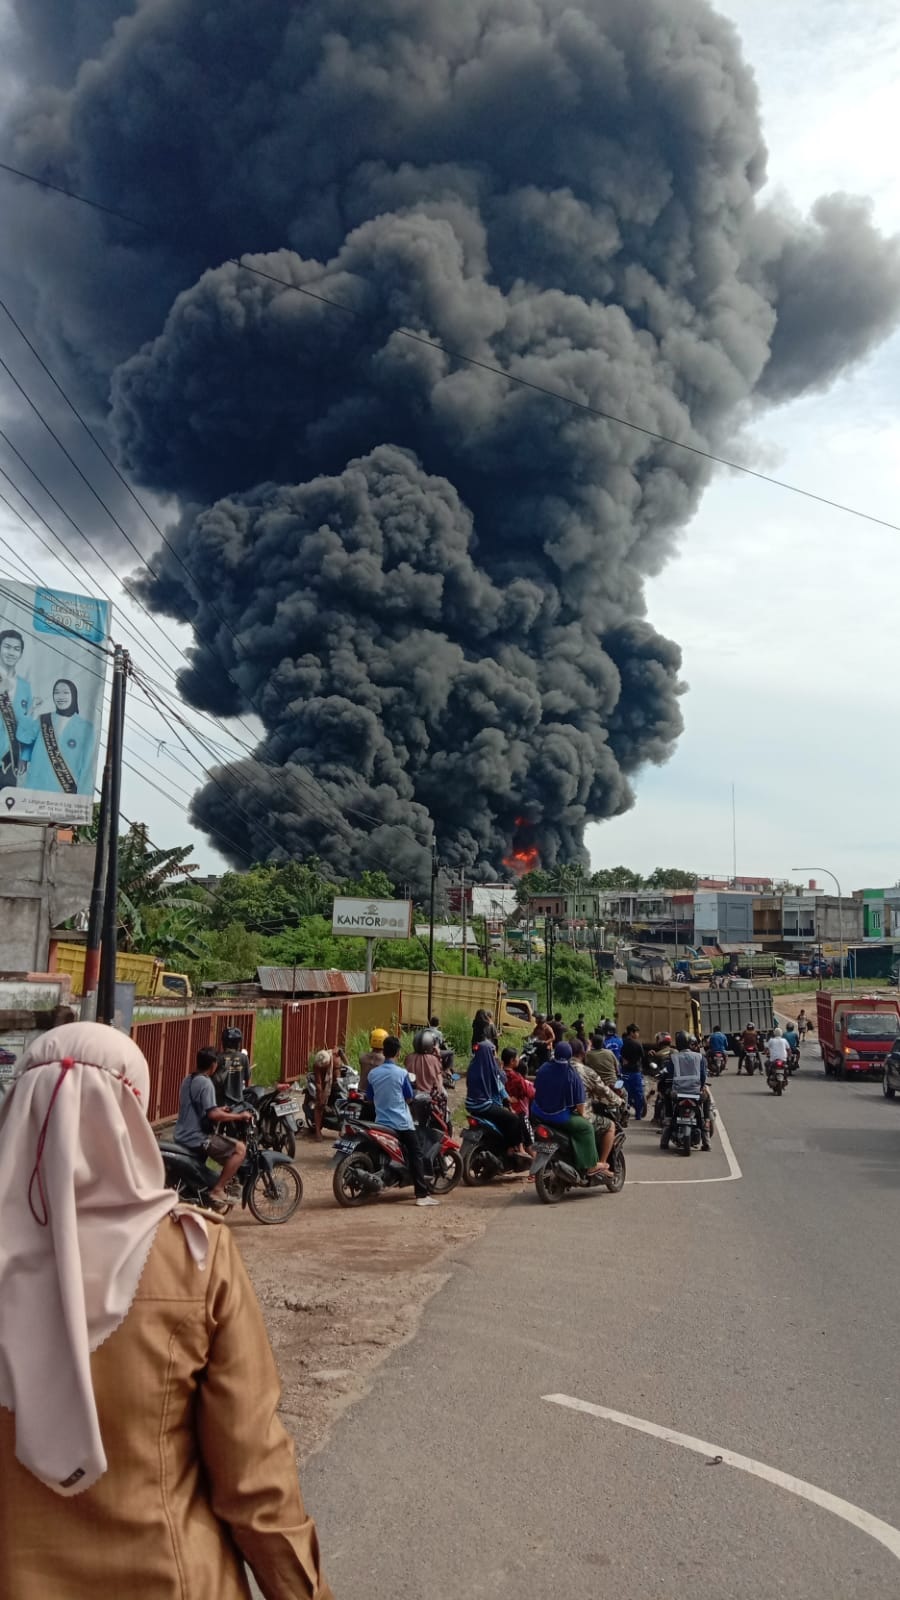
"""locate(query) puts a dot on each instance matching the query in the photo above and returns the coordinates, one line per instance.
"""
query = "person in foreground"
(390, 1089)
(559, 1099)
(140, 1447)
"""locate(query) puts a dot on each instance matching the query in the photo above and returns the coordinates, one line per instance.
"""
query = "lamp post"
(840, 914)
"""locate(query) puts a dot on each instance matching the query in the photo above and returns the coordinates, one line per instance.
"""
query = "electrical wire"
(473, 361)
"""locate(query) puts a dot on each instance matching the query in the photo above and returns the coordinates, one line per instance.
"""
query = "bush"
(267, 1050)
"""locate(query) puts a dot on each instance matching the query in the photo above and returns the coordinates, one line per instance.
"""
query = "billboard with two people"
(53, 659)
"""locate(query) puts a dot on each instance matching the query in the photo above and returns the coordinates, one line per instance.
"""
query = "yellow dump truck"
(451, 992)
(151, 978)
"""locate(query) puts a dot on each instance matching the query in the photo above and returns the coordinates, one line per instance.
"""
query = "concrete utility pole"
(465, 922)
(840, 915)
(106, 989)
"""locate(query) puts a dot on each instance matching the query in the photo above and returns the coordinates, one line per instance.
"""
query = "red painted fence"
(171, 1044)
(310, 1025)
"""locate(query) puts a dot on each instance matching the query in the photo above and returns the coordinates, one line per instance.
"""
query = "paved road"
(762, 1315)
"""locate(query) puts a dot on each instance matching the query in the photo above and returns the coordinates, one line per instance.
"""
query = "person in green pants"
(559, 1100)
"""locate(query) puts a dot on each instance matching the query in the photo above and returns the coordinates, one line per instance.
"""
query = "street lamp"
(840, 914)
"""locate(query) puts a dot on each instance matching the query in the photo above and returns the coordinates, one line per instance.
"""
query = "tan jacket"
(201, 1473)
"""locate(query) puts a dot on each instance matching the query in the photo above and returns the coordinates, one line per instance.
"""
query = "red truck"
(856, 1032)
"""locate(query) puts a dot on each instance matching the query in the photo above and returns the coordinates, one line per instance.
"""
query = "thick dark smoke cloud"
(435, 578)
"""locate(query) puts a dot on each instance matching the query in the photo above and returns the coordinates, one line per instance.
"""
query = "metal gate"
(170, 1047)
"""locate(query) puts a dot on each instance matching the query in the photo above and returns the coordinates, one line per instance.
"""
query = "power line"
(474, 361)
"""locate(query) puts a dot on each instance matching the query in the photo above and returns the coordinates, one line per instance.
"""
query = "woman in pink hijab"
(140, 1448)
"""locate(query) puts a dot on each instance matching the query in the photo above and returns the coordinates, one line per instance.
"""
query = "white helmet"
(777, 1034)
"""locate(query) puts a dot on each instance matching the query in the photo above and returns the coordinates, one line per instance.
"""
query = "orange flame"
(524, 859)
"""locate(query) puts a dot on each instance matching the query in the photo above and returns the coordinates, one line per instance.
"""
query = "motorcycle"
(368, 1159)
(684, 1124)
(716, 1063)
(750, 1061)
(277, 1111)
(793, 1060)
(777, 1076)
(484, 1153)
(270, 1187)
(553, 1167)
(344, 1093)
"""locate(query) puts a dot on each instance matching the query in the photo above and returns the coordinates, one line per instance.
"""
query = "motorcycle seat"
(169, 1147)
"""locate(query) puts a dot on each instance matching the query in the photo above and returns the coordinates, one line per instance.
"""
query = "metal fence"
(310, 1025)
(170, 1047)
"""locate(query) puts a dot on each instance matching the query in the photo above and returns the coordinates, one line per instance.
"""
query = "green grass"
(267, 1050)
(832, 985)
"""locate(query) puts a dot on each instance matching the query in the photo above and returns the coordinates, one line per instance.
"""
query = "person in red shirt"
(519, 1088)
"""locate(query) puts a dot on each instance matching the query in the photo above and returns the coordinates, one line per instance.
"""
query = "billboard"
(372, 919)
(52, 673)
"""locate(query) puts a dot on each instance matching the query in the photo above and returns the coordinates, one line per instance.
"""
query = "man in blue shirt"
(612, 1040)
(390, 1089)
(718, 1043)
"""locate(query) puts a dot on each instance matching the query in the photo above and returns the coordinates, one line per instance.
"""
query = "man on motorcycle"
(685, 1073)
(200, 1117)
(448, 1058)
(389, 1087)
(791, 1036)
(633, 1070)
(601, 1094)
(234, 1071)
(601, 1061)
(749, 1044)
(778, 1048)
(559, 1100)
(717, 1044)
(424, 1065)
(373, 1057)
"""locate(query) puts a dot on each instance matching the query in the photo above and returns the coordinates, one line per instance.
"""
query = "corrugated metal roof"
(310, 980)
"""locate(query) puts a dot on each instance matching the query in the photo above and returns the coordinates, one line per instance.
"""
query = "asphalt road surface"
(760, 1315)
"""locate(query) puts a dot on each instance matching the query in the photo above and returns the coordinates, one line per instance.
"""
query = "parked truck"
(451, 992)
(856, 1032)
(151, 977)
(665, 1008)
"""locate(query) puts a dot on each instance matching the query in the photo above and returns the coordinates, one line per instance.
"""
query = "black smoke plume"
(427, 581)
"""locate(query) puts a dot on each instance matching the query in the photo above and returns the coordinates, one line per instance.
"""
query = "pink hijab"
(81, 1197)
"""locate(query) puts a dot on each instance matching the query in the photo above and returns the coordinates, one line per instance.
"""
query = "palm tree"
(150, 878)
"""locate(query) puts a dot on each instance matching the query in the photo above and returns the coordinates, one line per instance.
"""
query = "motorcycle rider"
(326, 1068)
(600, 1094)
(234, 1071)
(559, 1101)
(519, 1088)
(199, 1119)
(601, 1061)
(685, 1073)
(717, 1044)
(486, 1097)
(749, 1044)
(424, 1065)
(778, 1048)
(448, 1058)
(373, 1057)
(389, 1087)
(791, 1036)
(545, 1037)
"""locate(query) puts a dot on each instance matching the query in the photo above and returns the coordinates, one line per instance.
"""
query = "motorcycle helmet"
(663, 1038)
(425, 1042)
(377, 1038)
(231, 1039)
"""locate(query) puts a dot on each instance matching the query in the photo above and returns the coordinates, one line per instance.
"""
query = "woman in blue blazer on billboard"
(57, 745)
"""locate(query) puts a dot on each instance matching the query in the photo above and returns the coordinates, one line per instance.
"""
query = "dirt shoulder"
(341, 1289)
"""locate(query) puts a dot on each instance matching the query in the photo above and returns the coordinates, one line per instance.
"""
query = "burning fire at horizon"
(523, 857)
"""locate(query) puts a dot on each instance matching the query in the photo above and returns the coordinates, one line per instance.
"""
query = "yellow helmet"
(377, 1038)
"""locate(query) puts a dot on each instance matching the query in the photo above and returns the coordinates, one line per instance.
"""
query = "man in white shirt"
(778, 1047)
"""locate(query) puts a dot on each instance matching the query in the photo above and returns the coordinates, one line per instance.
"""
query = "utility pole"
(465, 922)
(548, 962)
(98, 888)
(434, 873)
(106, 990)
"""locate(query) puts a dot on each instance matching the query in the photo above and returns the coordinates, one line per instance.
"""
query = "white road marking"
(734, 1170)
(863, 1520)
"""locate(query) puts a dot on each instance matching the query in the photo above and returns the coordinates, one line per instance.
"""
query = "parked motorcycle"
(777, 1076)
(279, 1122)
(683, 1124)
(270, 1187)
(344, 1092)
(368, 1159)
(553, 1167)
(484, 1153)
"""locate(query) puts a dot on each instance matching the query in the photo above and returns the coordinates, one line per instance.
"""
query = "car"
(890, 1083)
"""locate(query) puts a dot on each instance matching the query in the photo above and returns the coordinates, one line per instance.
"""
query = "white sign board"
(53, 659)
(372, 919)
